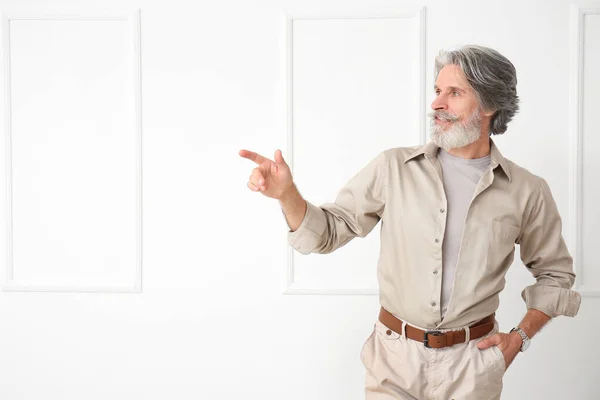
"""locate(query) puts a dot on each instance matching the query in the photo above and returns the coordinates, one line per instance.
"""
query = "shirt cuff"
(310, 233)
(551, 300)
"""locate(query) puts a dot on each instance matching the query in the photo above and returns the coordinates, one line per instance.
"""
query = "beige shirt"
(402, 187)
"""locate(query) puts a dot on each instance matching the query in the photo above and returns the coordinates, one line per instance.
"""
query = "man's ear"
(487, 113)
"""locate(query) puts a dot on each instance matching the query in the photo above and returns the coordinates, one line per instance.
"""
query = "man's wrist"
(523, 339)
(290, 195)
(516, 338)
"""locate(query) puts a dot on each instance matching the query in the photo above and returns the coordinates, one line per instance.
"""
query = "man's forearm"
(533, 321)
(293, 207)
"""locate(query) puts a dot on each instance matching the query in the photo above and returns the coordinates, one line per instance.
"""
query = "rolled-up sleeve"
(545, 254)
(357, 209)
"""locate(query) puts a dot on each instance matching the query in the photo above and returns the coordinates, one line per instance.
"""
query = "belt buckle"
(426, 339)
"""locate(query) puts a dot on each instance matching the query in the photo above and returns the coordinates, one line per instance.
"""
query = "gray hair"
(491, 76)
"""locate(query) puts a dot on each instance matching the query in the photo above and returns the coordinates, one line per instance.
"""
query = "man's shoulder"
(522, 177)
(400, 154)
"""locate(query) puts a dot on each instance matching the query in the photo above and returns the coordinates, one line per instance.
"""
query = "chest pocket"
(501, 244)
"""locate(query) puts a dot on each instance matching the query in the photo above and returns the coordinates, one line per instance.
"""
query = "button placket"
(442, 210)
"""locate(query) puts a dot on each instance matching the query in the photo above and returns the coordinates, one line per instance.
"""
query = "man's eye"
(454, 92)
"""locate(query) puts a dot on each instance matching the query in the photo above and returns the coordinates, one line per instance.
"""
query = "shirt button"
(442, 210)
(433, 303)
(437, 240)
(435, 271)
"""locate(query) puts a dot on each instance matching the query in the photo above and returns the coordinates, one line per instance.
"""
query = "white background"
(225, 310)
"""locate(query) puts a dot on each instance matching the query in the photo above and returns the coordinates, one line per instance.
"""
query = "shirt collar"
(430, 150)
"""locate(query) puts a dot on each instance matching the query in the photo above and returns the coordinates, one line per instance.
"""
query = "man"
(451, 212)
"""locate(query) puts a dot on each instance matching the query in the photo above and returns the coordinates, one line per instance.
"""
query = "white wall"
(187, 291)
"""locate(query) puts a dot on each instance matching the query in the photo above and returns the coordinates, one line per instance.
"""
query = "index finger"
(250, 155)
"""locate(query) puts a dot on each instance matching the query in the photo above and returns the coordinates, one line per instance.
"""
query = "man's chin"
(439, 139)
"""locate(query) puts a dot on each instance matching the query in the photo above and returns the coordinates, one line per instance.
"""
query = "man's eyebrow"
(451, 88)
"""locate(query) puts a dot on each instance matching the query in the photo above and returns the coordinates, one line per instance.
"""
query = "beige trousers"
(402, 368)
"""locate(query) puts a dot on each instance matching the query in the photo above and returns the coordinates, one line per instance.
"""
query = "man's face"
(456, 120)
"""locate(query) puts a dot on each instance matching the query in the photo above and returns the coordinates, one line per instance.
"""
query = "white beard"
(458, 134)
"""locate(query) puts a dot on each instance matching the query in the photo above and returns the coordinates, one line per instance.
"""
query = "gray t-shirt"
(460, 179)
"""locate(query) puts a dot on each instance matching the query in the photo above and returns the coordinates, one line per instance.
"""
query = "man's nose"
(439, 103)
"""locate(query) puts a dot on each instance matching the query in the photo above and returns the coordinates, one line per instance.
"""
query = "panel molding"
(577, 27)
(285, 72)
(133, 19)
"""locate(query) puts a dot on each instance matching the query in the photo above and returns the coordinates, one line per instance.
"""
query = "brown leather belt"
(434, 338)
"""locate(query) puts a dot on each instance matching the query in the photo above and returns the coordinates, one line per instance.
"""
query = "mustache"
(443, 115)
